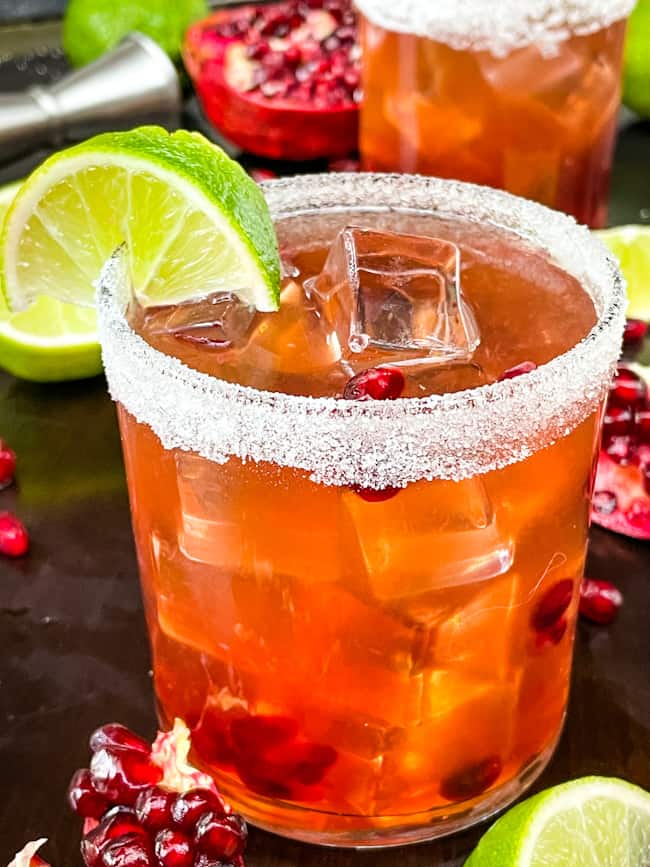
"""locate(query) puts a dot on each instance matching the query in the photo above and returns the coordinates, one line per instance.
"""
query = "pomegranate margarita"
(361, 520)
(521, 95)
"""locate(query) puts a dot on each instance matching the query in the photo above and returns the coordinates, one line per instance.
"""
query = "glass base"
(359, 832)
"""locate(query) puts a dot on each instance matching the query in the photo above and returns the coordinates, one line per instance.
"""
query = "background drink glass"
(519, 95)
(336, 702)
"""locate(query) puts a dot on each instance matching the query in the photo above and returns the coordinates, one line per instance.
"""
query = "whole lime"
(91, 27)
(636, 74)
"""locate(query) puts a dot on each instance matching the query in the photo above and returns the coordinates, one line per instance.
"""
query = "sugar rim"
(501, 27)
(388, 443)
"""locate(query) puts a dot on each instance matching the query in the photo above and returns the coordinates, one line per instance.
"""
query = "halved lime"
(193, 221)
(590, 822)
(631, 246)
(50, 341)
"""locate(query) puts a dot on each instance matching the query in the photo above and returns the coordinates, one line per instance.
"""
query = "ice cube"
(529, 74)
(219, 321)
(395, 292)
(431, 536)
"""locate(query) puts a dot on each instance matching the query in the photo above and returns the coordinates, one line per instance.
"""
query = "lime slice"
(590, 822)
(636, 68)
(193, 221)
(50, 341)
(631, 246)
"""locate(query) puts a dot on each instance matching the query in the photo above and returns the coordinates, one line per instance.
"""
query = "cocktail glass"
(367, 670)
(518, 95)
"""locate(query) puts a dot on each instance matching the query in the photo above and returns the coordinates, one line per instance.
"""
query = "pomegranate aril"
(121, 774)
(116, 823)
(153, 808)
(376, 383)
(7, 465)
(258, 733)
(173, 848)
(131, 850)
(471, 781)
(617, 422)
(221, 836)
(518, 370)
(599, 600)
(645, 475)
(604, 502)
(620, 449)
(628, 389)
(552, 605)
(376, 496)
(635, 332)
(84, 798)
(117, 735)
(642, 425)
(638, 514)
(552, 636)
(14, 538)
(188, 807)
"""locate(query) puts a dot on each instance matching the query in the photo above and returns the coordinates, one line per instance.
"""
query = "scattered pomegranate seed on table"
(635, 332)
(7, 464)
(599, 600)
(134, 819)
(260, 175)
(14, 538)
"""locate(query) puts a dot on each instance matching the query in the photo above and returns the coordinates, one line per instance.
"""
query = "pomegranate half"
(280, 80)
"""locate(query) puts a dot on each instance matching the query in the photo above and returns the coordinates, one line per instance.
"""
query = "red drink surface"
(356, 668)
(539, 125)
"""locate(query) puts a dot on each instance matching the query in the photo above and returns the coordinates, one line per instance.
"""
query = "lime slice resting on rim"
(590, 822)
(193, 221)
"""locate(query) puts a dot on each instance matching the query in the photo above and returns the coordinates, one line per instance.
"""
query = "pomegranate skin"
(276, 128)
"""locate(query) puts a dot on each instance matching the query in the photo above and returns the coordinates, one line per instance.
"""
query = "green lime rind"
(636, 65)
(131, 183)
(92, 27)
(589, 822)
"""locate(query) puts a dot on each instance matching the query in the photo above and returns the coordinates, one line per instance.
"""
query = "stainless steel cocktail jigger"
(134, 83)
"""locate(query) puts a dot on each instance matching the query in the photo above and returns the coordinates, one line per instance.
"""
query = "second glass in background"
(517, 95)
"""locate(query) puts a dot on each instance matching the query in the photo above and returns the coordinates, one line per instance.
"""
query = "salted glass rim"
(499, 27)
(387, 443)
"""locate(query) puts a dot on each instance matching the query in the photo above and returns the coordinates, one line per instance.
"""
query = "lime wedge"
(51, 341)
(590, 822)
(631, 246)
(193, 221)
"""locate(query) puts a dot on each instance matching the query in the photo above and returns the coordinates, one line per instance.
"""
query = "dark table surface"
(73, 647)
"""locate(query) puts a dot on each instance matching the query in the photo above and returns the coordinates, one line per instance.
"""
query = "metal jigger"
(133, 84)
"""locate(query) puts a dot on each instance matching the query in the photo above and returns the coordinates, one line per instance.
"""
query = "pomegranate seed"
(628, 389)
(258, 50)
(14, 539)
(7, 465)
(84, 798)
(256, 734)
(376, 383)
(620, 450)
(131, 850)
(518, 370)
(117, 735)
(635, 332)
(153, 808)
(292, 55)
(472, 780)
(259, 175)
(638, 514)
(189, 806)
(344, 165)
(173, 849)
(116, 823)
(552, 605)
(221, 836)
(599, 600)
(604, 502)
(642, 425)
(310, 761)
(121, 774)
(552, 636)
(645, 474)
(376, 496)
(617, 422)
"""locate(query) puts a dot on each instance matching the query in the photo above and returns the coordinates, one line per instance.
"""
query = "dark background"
(73, 650)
